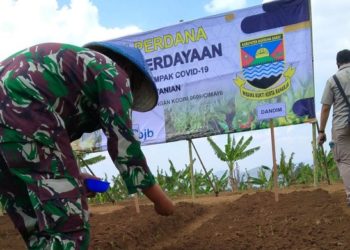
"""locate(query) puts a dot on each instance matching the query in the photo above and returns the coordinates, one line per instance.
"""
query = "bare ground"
(303, 218)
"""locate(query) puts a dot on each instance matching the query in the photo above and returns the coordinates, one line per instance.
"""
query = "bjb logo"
(144, 134)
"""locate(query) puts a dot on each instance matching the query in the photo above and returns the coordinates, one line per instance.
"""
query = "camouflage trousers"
(43, 197)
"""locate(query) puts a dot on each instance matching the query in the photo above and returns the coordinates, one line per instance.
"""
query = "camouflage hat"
(145, 94)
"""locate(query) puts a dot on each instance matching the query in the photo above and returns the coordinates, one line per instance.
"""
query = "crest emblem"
(263, 65)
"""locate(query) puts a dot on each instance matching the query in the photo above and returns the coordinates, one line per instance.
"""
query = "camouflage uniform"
(50, 94)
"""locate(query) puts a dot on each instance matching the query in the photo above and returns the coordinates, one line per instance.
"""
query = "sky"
(26, 22)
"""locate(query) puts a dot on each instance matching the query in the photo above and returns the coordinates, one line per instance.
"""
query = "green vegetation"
(177, 182)
(290, 173)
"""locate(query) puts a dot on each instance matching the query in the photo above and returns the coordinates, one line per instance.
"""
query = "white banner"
(213, 73)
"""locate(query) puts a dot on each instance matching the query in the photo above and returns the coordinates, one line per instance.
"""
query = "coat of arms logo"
(263, 68)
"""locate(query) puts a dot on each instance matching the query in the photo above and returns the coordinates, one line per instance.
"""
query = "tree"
(233, 153)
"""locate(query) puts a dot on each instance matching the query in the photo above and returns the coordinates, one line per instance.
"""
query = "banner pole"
(275, 171)
(314, 147)
(191, 168)
(324, 162)
(205, 170)
(314, 151)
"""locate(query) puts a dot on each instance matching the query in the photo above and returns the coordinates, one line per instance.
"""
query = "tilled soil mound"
(314, 219)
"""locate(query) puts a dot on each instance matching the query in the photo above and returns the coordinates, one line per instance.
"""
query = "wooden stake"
(314, 152)
(205, 170)
(136, 200)
(275, 172)
(191, 168)
(324, 162)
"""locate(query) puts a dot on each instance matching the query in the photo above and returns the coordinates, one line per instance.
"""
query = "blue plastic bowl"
(96, 186)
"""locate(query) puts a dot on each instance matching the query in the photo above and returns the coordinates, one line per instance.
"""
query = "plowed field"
(303, 218)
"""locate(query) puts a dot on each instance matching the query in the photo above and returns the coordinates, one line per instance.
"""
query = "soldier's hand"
(85, 176)
(162, 204)
(165, 207)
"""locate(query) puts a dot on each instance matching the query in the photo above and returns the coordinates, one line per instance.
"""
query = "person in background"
(340, 125)
(50, 94)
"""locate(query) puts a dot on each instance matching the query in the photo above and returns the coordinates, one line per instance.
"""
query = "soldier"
(50, 94)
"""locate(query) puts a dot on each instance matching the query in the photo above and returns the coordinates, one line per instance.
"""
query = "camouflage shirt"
(53, 93)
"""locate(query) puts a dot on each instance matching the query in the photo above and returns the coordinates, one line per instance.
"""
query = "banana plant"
(233, 152)
(116, 192)
(178, 182)
(264, 179)
(202, 182)
(286, 169)
(304, 174)
(328, 166)
(220, 183)
(243, 184)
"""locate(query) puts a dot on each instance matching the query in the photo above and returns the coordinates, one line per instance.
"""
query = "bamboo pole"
(205, 170)
(324, 164)
(314, 146)
(275, 172)
(191, 168)
(314, 151)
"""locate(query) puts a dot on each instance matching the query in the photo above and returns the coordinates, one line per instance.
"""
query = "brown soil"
(303, 218)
